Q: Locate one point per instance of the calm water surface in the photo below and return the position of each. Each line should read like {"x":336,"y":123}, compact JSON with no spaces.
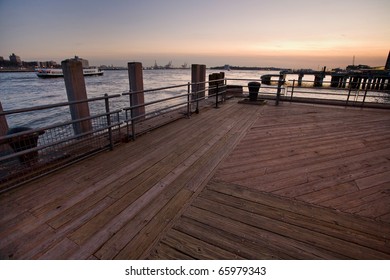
{"x":25,"y":89}
{"x":22,"y":90}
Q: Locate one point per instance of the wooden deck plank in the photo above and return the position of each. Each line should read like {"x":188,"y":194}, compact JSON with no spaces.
{"x":165,"y":252}
{"x":275,"y":242}
{"x":227,"y":240}
{"x":195,"y":247}
{"x":232,"y":214}
{"x":331,"y":216}
{"x":292,"y":234}
{"x":303,"y":219}
{"x":198,"y":172}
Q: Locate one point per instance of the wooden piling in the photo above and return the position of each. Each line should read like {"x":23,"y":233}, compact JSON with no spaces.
{"x":215,"y":79}
{"x":318,"y":80}
{"x":76,"y":91}
{"x":3,"y":129}
{"x":355,"y":82}
{"x":337,"y":80}
{"x":300,"y":77}
{"x":198,"y":79}
{"x":3,"y":123}
{"x":136,"y":83}
{"x":266,"y":79}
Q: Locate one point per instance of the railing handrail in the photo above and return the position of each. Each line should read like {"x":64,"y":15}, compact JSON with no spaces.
{"x":55,"y":105}
{"x":40,"y":129}
{"x":154,"y":89}
{"x":155,"y":101}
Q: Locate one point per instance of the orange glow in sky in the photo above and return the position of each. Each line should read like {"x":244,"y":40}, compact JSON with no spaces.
{"x":296,"y":34}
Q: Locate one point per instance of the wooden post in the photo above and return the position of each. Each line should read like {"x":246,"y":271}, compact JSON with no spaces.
{"x":76,"y":91}
{"x":281,"y":81}
{"x":318,"y":79}
{"x":136,"y":82}
{"x":335,"y":81}
{"x":3,"y":123}
{"x":3,"y":129}
{"x":215,"y":79}
{"x":198,"y":75}
{"x":300,"y":77}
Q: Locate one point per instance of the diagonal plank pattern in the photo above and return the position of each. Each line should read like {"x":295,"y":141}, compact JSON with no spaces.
{"x":239,"y":182}
{"x":306,"y":182}
{"x":115,"y":204}
{"x":228,"y":221}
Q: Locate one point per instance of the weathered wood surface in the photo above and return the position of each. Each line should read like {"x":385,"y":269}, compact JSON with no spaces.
{"x":253,"y":182}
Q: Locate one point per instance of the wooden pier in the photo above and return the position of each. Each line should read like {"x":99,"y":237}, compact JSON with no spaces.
{"x":294,"y":181}
{"x":359,"y":79}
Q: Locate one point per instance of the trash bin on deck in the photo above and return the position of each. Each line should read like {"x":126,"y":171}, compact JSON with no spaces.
{"x":25,"y":142}
{"x":253,"y":90}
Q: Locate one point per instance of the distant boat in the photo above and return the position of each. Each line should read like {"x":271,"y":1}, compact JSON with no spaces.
{"x":57,"y":73}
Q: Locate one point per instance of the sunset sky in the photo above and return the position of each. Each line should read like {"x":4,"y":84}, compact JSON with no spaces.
{"x":281,"y":33}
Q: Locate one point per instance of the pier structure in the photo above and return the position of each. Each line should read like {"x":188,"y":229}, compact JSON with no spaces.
{"x":294,"y":181}
{"x":363,"y":79}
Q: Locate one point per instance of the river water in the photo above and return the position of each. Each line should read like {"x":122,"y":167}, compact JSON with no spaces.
{"x":25,"y":89}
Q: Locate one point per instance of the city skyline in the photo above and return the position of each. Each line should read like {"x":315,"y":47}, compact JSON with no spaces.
{"x":291,"y":34}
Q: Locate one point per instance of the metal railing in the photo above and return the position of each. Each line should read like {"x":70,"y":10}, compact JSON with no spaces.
{"x":268,"y":92}
{"x":350,"y":95}
{"x":28,"y":153}
{"x":180,"y":105}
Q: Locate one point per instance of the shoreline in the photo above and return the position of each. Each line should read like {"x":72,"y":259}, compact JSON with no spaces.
{"x":16,"y":70}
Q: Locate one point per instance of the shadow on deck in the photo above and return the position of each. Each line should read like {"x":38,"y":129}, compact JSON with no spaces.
{"x":255,"y":182}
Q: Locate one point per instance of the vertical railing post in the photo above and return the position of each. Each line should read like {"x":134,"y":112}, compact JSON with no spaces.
{"x":3,"y":128}
{"x":108,"y":116}
{"x":292,"y":90}
{"x":280,"y":83}
{"x":216,"y":95}
{"x":197,"y":98}
{"x":188,"y":100}
{"x":132,"y":116}
{"x":364,"y":97}
{"x":349,"y":93}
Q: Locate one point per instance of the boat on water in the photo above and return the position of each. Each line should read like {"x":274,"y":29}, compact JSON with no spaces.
{"x":57,"y":73}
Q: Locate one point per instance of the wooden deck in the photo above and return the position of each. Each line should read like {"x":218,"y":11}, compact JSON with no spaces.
{"x":239,"y":182}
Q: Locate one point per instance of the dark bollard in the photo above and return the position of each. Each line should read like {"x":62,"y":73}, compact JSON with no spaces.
{"x":253,"y":90}
{"x":25,"y":142}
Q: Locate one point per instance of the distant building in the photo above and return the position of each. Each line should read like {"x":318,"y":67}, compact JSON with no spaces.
{"x":387,"y":66}
{"x":47,"y":64}
{"x":14,"y":59}
{"x":84,"y":62}
{"x":358,"y":67}
{"x":30,"y":64}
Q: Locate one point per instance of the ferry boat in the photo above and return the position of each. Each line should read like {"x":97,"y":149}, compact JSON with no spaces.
{"x":57,"y":73}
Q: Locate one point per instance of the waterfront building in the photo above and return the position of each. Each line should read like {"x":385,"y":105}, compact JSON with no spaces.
{"x":84,"y":62}
{"x":15,"y":59}
{"x":387,"y":66}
